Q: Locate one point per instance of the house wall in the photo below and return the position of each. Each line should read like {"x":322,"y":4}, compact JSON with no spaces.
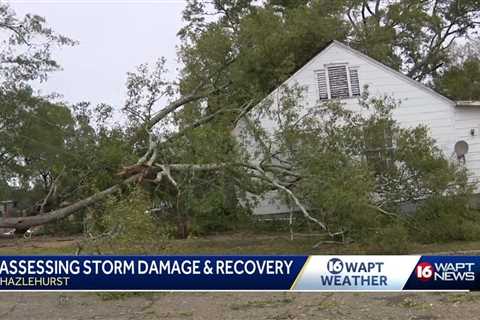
{"x":418,"y":106}
{"x":467,"y":119}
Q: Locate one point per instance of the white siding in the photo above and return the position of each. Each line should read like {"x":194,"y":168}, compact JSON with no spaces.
{"x":419,"y":105}
{"x":466,"y":119}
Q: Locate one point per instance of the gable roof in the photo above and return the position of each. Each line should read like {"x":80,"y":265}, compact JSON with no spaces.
{"x":363,"y":56}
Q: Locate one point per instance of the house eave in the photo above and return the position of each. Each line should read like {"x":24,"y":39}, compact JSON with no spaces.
{"x":467,"y":103}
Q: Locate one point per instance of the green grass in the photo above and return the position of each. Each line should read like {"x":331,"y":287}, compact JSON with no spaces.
{"x":230,"y":243}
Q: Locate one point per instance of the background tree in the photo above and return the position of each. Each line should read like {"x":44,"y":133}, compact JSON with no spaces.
{"x":460,"y":79}
{"x":412,"y":36}
{"x":26,"y":48}
{"x":52,"y":153}
{"x":460,"y":82}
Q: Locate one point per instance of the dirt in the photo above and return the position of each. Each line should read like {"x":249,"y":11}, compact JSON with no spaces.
{"x":240,"y":306}
{"x":119,"y":306}
{"x":235,"y":243}
{"x":37,"y":245}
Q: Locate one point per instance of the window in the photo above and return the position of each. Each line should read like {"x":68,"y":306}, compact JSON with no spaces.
{"x":338,"y":82}
{"x":379,"y":146}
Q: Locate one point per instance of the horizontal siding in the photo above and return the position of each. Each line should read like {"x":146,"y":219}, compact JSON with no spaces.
{"x":465,"y":120}
{"x":417,"y":106}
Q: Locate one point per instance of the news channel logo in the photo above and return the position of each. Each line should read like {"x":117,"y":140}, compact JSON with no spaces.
{"x":445,"y":271}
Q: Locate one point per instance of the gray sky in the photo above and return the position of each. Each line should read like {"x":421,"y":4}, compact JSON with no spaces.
{"x":114,"y":36}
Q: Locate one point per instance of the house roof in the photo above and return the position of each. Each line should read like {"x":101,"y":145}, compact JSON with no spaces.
{"x":379,"y":64}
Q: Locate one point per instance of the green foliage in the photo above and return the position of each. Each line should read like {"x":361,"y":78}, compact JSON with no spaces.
{"x":129,"y":221}
{"x":461,"y":81}
{"x":73,"y":225}
{"x":201,"y":205}
{"x":34,"y":130}
{"x":351,"y":167}
{"x":443,"y":219}
{"x":251,"y":48}
{"x":406,"y":163}
{"x":357,"y":170}
{"x":411,"y":36}
{"x":271,"y":39}
{"x":392,"y":238}
{"x":218,"y":219}
{"x":47,"y":146}
{"x":346,"y":168}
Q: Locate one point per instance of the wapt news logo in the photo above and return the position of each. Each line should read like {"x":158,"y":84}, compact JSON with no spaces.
{"x":445,"y":271}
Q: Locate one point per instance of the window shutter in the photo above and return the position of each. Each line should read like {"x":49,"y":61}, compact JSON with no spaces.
{"x":338,"y":79}
{"x":354,"y":82}
{"x":322,"y":85}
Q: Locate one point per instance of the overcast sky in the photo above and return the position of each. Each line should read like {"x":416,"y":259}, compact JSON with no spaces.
{"x":114,"y":37}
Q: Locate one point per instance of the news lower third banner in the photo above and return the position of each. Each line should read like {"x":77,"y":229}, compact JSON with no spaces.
{"x":239,"y":273}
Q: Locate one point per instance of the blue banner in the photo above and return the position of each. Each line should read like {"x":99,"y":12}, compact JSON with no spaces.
{"x":237,"y":273}
{"x":101,"y":273}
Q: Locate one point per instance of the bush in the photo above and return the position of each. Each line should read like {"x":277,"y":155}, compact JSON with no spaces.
{"x":390,"y":239}
{"x":128,"y":220}
{"x":218,"y":219}
{"x":441,"y":219}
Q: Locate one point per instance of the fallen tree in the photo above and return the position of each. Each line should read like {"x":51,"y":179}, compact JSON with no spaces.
{"x":339,"y":169}
{"x":22,"y":224}
{"x":315,"y":161}
{"x":131,"y":174}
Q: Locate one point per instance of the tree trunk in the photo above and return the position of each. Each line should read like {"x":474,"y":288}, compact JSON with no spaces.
{"x":22,"y":224}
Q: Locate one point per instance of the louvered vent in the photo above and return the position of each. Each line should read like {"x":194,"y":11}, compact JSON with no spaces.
{"x":338,"y":79}
{"x":354,"y":82}
{"x":322,"y":85}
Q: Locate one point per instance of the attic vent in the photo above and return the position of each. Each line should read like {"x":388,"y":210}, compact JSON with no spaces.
{"x":338,"y":79}
{"x":338,"y":82}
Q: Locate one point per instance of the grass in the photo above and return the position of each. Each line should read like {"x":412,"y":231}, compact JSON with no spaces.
{"x":229,"y":243}
{"x":462,"y":297}
{"x":106,"y":296}
{"x":261,"y":304}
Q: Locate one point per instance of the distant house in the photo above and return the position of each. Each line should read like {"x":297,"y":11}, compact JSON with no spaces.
{"x":8,"y":208}
{"x":339,"y":72}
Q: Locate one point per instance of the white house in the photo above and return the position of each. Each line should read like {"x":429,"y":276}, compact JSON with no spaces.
{"x":339,"y":72}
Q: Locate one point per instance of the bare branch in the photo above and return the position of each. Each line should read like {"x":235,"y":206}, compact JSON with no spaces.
{"x":291,"y":195}
{"x":51,"y":192}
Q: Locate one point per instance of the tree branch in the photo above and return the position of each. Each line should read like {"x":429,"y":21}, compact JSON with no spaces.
{"x":22,"y":224}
